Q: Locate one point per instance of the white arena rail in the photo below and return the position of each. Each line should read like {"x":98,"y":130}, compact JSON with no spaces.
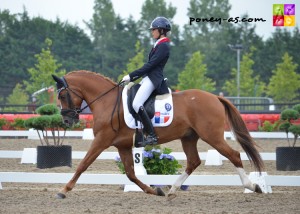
{"x":216,"y":180}
{"x":202,"y":180}
{"x":33,"y":135}
{"x":112,"y":155}
{"x":87,"y":134}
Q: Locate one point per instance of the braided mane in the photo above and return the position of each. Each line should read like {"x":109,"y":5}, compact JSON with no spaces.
{"x":84,"y":72}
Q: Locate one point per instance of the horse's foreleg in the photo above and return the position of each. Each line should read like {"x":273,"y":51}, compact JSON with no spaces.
{"x":189,"y":146}
{"x":127,"y":160}
{"x":89,"y":158}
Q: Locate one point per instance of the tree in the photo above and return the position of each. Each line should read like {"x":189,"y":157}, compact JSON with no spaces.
{"x":284,"y":83}
{"x":193,"y":75}
{"x":281,"y":41}
{"x":40,"y":75}
{"x":21,"y":37}
{"x":135,"y":62}
{"x":18,"y":97}
{"x":11,"y":53}
{"x":113,"y":39}
{"x":250,"y":85}
{"x":211,"y":38}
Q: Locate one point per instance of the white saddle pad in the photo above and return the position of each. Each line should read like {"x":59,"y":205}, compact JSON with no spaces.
{"x":163,"y":110}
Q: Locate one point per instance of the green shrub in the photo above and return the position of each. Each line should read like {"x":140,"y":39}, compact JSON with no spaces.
{"x":267,"y":126}
{"x":18,"y":123}
{"x":286,"y":116}
{"x":56,"y":121}
{"x":3,"y":122}
{"x":50,"y":120}
{"x":42,"y":122}
{"x":289,"y":114}
{"x":285,"y":126}
{"x":29,"y":123}
{"x":48,"y":109}
{"x":297,"y":108}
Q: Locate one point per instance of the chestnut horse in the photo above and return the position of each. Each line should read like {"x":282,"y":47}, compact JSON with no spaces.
{"x":197,"y":114}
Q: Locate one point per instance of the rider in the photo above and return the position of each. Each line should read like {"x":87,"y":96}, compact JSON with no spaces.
{"x":152,"y":73}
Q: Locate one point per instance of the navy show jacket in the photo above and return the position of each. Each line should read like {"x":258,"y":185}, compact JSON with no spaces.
{"x":157,"y":60}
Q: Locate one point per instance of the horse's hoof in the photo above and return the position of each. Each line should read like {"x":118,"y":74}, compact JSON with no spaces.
{"x":159,"y":192}
{"x":257,"y":189}
{"x":60,"y":195}
{"x":171,"y":196}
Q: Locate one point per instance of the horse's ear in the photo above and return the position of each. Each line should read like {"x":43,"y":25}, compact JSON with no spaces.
{"x":56,"y":78}
{"x":59,"y":81}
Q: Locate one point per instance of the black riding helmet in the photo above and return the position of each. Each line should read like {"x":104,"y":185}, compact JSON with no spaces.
{"x":161,"y":23}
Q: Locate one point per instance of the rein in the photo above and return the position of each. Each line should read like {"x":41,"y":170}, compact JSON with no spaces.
{"x":77,"y":111}
{"x":97,"y":98}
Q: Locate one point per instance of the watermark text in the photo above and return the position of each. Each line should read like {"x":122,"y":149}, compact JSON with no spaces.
{"x":230,"y":20}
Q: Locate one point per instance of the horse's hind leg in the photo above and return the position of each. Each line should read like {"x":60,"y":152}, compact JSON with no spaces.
{"x":189,"y":145}
{"x":234,"y":156}
{"x":127,"y":160}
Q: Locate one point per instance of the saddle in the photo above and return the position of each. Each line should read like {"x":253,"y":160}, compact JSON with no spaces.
{"x":158,"y":107}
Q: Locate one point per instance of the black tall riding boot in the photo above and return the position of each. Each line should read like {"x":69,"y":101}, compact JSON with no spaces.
{"x":151,"y":138}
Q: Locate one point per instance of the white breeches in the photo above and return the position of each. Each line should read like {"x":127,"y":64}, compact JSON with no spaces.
{"x":143,"y":93}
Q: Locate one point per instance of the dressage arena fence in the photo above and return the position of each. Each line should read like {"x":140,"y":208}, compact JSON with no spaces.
{"x":87,"y":134}
{"x":212,"y":157}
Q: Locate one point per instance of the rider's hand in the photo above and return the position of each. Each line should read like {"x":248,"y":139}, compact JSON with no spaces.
{"x":126,"y":79}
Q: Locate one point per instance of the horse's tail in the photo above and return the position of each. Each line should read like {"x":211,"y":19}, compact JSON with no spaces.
{"x":242,"y":134}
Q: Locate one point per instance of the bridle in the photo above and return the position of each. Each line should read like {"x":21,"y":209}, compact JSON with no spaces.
{"x":73,"y":112}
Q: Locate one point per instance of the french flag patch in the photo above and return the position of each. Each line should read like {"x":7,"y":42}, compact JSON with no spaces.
{"x":161,"y":118}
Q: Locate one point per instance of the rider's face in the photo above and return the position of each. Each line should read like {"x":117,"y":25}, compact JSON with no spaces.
{"x":155,"y":33}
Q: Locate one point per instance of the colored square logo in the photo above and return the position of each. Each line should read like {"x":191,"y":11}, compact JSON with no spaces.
{"x":289,"y":9}
{"x":278,"y":20}
{"x":284,"y":15}
{"x":289,"y":21}
{"x":278,"y":9}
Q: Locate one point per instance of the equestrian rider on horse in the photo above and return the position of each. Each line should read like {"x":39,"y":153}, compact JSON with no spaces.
{"x":152,"y":74}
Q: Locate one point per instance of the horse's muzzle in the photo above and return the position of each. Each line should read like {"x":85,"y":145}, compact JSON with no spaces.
{"x":70,"y":117}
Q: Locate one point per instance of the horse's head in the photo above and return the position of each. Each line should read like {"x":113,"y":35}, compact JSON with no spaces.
{"x":70,"y":101}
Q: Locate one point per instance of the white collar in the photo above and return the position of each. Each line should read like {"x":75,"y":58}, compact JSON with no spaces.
{"x":157,"y":41}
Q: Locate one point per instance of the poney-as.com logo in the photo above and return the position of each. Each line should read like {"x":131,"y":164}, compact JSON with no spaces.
{"x":284,"y":14}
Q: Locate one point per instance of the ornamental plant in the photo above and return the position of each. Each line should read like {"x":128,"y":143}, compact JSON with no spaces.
{"x":49,"y":120}
{"x":156,"y":161}
{"x":267,"y":126}
{"x":287,"y":118}
{"x":159,"y":161}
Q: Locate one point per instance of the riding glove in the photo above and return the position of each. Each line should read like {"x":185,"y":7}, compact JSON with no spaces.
{"x":126,"y":79}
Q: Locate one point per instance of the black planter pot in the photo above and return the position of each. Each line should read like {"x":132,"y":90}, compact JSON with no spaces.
{"x":288,"y":158}
{"x":54,"y":156}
